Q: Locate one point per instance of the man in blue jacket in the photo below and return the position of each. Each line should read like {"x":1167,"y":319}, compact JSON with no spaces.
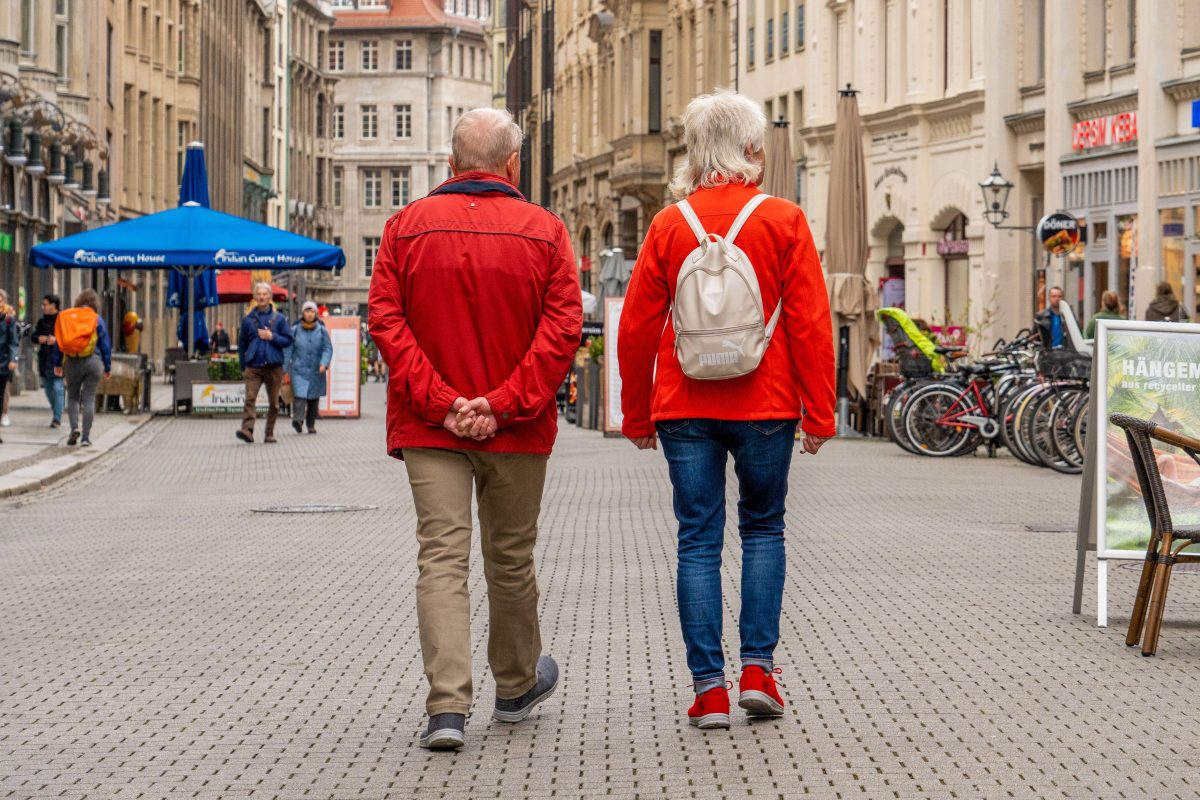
{"x":261,"y":343}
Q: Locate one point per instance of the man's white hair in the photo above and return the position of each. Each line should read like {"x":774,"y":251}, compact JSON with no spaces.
{"x":262,"y":285}
{"x":483,"y":140}
{"x":718,"y":129}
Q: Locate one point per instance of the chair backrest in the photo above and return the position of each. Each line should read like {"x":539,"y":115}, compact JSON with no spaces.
{"x":1139,"y":433}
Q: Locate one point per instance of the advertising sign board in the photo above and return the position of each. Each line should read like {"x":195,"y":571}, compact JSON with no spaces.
{"x":612,"y":376}
{"x":342,"y":384}
{"x":1058,"y":233}
{"x":224,"y":398}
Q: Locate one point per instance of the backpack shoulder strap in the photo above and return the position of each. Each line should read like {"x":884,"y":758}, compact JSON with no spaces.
{"x":744,"y":215}
{"x":693,"y":221}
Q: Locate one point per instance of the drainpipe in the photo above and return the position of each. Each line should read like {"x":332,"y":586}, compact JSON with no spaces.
{"x":737,"y":44}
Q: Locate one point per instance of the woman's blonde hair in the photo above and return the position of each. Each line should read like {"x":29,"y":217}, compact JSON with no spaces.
{"x":720,"y":129}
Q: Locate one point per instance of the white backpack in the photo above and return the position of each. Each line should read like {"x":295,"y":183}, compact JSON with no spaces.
{"x":721,"y":330}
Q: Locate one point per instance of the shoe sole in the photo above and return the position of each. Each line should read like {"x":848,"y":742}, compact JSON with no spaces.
{"x":760,"y":704}
{"x":518,"y":716}
{"x":243,"y":437}
{"x":444,"y":739}
{"x":710,"y":722}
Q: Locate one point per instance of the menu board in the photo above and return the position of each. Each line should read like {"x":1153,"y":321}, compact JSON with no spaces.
{"x":342,"y":383}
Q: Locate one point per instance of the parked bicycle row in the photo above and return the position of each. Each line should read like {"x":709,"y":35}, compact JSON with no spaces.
{"x":1020,"y":396}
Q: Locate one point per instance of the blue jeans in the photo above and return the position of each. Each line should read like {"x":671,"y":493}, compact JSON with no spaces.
{"x":697,"y":451}
{"x":55,"y":393}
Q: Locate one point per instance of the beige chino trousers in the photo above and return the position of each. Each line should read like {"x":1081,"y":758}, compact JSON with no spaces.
{"x":508,"y":488}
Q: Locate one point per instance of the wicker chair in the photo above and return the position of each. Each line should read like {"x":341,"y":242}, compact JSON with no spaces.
{"x":1166,"y":541}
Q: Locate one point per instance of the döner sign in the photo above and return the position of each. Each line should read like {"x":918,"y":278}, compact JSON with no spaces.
{"x":1058,"y":233}
{"x":1116,"y":129}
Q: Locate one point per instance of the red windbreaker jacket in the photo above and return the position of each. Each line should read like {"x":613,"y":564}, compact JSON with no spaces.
{"x":795,"y":379}
{"x":475,"y":294}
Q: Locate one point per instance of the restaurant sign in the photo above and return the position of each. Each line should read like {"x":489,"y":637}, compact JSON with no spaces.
{"x":1101,"y":131}
{"x":953,"y":247}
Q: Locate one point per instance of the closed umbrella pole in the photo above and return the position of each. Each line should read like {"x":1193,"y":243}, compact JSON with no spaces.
{"x":780,"y":177}
{"x":852,"y":301}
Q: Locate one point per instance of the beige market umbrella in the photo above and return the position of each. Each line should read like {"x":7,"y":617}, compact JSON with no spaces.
{"x":851,"y":297}
{"x":780,"y":179}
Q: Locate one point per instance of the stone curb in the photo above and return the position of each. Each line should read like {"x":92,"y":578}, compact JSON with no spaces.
{"x":40,"y":475}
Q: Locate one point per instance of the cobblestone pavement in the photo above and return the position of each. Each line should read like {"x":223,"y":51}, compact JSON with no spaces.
{"x":157,"y":638}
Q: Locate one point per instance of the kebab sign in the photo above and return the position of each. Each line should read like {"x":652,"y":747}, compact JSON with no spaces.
{"x":1058,"y":233}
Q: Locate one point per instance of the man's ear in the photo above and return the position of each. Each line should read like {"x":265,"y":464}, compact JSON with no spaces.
{"x":450,"y":161}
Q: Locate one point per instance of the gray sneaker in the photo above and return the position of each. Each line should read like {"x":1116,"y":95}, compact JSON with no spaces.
{"x":519,"y":708}
{"x":445,"y":732}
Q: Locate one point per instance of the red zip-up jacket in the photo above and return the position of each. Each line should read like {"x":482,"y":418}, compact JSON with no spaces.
{"x":795,"y":379}
{"x":475,"y":294}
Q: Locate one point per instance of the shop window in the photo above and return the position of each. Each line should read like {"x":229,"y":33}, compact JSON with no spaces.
{"x":1172,"y":222}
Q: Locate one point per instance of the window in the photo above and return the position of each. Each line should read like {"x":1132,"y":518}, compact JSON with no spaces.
{"x":770,"y":40}
{"x":401,"y":183}
{"x":337,"y":187}
{"x":339,"y":121}
{"x":370,"y":249}
{"x":372,"y":188}
{"x":404,"y":54}
{"x":320,"y":115}
{"x":783,"y":33}
{"x":182,"y":55}
{"x":403,"y":121}
{"x":370,"y":122}
{"x":655,"y":77}
{"x":370,"y":56}
{"x":108,"y":63}
{"x":28,"y":25}
{"x":337,"y":56}
{"x":750,"y":45}
{"x":61,"y":50}
{"x":472,"y":63}
{"x":461,"y":62}
{"x":799,"y":26}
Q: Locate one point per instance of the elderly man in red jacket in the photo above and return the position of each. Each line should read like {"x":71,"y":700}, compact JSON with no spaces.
{"x":475,"y":307}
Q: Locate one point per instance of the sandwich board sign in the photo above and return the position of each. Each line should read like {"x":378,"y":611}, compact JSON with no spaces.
{"x":1149,"y":370}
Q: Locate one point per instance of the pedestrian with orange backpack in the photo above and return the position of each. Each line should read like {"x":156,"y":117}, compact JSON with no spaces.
{"x":87,"y":355}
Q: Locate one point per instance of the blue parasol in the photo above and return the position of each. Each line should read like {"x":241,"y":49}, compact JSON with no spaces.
{"x":193,"y":188}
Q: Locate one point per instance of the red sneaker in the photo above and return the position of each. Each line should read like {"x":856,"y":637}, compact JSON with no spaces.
{"x":757,"y":693}
{"x":711,"y":709}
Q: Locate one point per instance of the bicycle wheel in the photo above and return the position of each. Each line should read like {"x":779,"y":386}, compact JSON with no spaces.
{"x":1062,"y":423}
{"x":1038,"y":431}
{"x":1079,"y":426}
{"x":930,"y":436}
{"x":1011,"y":428}
{"x":893,"y":417}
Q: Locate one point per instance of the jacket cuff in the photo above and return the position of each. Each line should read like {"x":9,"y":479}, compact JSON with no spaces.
{"x":637,"y":430}
{"x":503,"y":407}
{"x":438,"y":406}
{"x":822,"y":431}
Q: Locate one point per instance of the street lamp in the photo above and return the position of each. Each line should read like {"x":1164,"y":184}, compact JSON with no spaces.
{"x":996,"y":189}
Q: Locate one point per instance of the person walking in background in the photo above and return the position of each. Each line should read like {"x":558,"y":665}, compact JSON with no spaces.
{"x":10,"y":345}
{"x":8,"y":312}
{"x":700,"y":423}
{"x":261,"y":343}
{"x":1049,"y":321}
{"x":220,"y":338}
{"x":1110,"y":308}
{"x":307,"y":362}
{"x":83,"y":339}
{"x":475,"y":307}
{"x":131,"y":332}
{"x":1165,"y":307}
{"x":50,"y":358}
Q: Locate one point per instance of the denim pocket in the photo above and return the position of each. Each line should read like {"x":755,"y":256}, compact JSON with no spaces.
{"x":770,"y":427}
{"x":673,"y":426}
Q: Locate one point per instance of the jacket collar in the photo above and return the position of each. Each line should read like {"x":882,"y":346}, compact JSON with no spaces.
{"x":478,"y":183}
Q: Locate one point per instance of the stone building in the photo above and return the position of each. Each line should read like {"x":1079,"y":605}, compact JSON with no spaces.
{"x":622,"y":77}
{"x":1103,"y":124}
{"x":405,"y":71}
{"x":919,"y":70}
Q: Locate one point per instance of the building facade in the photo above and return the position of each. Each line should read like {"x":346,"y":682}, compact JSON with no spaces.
{"x":1101,"y":124}
{"x":405,"y":70}
{"x":622,"y":76}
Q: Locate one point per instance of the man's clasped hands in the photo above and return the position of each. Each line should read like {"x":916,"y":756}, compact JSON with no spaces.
{"x":471,"y":419}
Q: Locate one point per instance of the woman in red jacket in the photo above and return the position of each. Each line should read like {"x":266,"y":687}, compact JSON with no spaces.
{"x":753,"y":417}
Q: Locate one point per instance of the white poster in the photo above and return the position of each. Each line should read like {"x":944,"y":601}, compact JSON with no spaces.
{"x":612,"y":375}
{"x":345,"y":370}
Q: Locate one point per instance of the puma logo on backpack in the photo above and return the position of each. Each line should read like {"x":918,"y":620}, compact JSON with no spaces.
{"x":721,"y":329}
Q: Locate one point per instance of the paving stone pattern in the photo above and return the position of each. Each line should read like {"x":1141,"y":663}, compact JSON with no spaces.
{"x":157,"y":639}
